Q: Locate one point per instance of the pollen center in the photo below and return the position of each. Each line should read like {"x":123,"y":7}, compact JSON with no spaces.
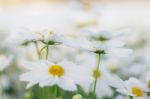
{"x":137,"y":91}
{"x":96,"y":73}
{"x":56,"y":70}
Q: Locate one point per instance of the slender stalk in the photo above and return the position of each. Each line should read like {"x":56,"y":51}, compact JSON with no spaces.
{"x":131,"y":97}
{"x":1,"y":92}
{"x":1,"y":88}
{"x":42,"y":50}
{"x":61,"y":93}
{"x":37,"y":50}
{"x":95,"y":82}
{"x":55,"y":92}
{"x":47,"y":52}
{"x":43,"y":93}
{"x":99,"y":60}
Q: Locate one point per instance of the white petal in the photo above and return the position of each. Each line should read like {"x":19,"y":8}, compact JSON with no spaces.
{"x":67,"y":84}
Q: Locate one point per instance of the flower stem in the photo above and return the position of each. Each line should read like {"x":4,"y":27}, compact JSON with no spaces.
{"x":37,"y":50}
{"x":61,"y":93}
{"x":47,"y":52}
{"x":1,"y":88}
{"x":41,"y":51}
{"x":95,"y":82}
{"x":1,"y":93}
{"x":55,"y":92}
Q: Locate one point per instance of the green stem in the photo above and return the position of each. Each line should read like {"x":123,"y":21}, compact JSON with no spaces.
{"x":55,"y":92}
{"x":1,"y":89}
{"x":99,"y":61}
{"x":38,"y":51}
{"x":95,"y":82}
{"x":43,"y":93}
{"x":47,"y":52}
{"x":131,"y":97}
{"x":61,"y":93}
{"x":41,"y":51}
{"x":1,"y":93}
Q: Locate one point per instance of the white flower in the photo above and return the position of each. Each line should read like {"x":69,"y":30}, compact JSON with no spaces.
{"x":49,"y":36}
{"x":79,"y":43}
{"x":131,"y":87}
{"x":112,"y":45}
{"x":25,"y":36}
{"x":103,"y":76}
{"x":20,"y":36}
{"x":64,"y":74}
{"x":5,"y":61}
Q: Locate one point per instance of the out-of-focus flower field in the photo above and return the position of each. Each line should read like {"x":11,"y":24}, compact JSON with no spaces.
{"x":74,"y":49}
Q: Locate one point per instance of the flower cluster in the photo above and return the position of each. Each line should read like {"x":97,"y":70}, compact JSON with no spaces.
{"x":89,"y":63}
{"x":73,"y":63}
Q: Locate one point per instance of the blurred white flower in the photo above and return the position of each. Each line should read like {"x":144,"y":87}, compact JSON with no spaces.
{"x":131,"y":87}
{"x":121,"y":97}
{"x":5,"y":61}
{"x":64,"y":74}
{"x":107,"y":44}
{"x":102,"y":88}
{"x":25,"y":36}
{"x":50,"y":37}
{"x":79,"y":43}
{"x":88,"y":60}
{"x":20,"y":36}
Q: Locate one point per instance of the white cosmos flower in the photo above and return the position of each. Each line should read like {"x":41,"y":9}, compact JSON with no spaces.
{"x":22,"y":36}
{"x":79,"y":43}
{"x":64,"y":74}
{"x":48,"y":35}
{"x":131,"y":87}
{"x":113,"y":47}
{"x":5,"y":61}
{"x":111,"y":42}
{"x":102,"y":74}
{"x":102,"y":88}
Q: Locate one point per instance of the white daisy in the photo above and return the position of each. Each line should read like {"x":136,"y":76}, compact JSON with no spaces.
{"x":25,"y":36}
{"x":20,"y":36}
{"x":106,"y":45}
{"x":64,"y":74}
{"x":102,"y":87}
{"x":102,"y":75}
{"x":131,"y":87}
{"x":48,"y":36}
{"x":5,"y":61}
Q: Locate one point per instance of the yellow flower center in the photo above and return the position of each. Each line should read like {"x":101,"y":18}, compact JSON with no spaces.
{"x":56,"y":70}
{"x":97,"y":73}
{"x":137,"y":91}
